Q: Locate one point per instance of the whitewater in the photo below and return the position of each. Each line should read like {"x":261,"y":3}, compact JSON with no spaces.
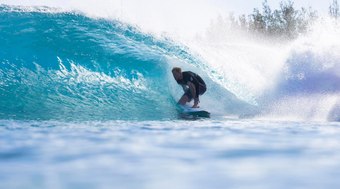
{"x":87,"y":100}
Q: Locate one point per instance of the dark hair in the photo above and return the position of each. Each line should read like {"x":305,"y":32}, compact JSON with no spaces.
{"x":177,"y":69}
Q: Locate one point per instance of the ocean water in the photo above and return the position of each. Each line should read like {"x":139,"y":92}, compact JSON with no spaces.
{"x":169,"y":154}
{"x":89,"y":102}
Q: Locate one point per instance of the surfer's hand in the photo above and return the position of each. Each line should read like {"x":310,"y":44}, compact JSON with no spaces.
{"x":195,"y":104}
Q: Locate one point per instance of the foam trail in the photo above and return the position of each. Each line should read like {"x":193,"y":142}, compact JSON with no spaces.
{"x":311,"y":75}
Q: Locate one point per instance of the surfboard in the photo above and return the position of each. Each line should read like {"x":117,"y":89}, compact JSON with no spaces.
{"x":187,"y":112}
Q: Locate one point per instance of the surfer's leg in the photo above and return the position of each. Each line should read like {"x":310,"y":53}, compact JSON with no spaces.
{"x":185,"y":98}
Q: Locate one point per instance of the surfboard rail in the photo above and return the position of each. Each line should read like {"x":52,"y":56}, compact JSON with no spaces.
{"x":188,"y":112}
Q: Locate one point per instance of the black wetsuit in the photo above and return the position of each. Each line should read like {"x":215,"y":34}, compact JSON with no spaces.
{"x":196,"y":80}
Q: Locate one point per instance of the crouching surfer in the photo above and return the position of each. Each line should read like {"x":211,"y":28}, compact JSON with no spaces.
{"x":192,"y":84}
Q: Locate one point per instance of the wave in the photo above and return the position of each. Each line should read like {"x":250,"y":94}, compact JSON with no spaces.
{"x":64,"y":65}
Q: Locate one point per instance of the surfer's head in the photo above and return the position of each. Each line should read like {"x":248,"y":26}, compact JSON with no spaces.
{"x":177,"y":73}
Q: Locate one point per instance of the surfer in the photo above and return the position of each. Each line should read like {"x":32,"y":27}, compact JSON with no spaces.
{"x":192,"y":84}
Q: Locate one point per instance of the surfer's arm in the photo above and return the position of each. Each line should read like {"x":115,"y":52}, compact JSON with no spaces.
{"x":193,"y":91}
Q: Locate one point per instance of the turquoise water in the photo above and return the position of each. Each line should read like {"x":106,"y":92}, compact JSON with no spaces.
{"x":66,"y":65}
{"x":91,"y":103}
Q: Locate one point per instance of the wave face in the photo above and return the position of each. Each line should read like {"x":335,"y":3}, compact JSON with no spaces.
{"x":65,"y":65}
{"x":69,"y":66}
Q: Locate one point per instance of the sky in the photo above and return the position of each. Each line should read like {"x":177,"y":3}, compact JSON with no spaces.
{"x":247,"y":6}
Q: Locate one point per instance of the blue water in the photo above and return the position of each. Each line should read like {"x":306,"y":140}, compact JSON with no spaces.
{"x":91,"y":103}
{"x":169,"y":154}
